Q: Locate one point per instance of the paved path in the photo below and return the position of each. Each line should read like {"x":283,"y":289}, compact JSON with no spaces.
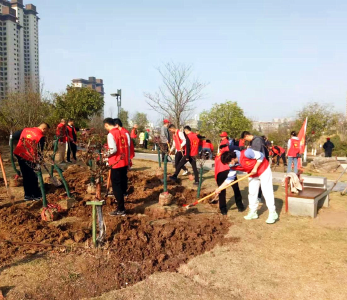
{"x":209,"y":165}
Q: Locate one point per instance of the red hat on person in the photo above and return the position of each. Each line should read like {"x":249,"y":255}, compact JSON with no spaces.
{"x":166,"y":121}
{"x":328,"y":139}
{"x":223,"y":134}
{"x":148,"y":130}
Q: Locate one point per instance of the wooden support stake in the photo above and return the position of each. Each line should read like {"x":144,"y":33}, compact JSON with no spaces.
{"x":94,"y":204}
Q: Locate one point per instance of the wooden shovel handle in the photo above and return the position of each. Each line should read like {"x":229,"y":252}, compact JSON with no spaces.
{"x":229,"y":185}
{"x":3,"y":171}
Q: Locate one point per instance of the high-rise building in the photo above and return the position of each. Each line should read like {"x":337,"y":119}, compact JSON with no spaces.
{"x":19,"y":47}
{"x":91,"y":82}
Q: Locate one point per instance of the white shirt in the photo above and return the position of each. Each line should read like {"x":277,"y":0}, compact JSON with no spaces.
{"x":182,"y":137}
{"x":112,"y":146}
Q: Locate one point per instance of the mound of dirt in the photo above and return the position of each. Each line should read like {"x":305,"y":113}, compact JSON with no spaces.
{"x":151,"y":238}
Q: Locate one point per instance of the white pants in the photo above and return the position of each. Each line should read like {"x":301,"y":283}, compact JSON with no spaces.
{"x":61,"y":152}
{"x":265,"y":181}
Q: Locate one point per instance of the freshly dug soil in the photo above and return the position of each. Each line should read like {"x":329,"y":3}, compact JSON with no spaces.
{"x":151,"y":238}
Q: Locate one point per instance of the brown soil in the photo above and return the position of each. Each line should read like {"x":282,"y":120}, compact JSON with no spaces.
{"x":151,"y":238}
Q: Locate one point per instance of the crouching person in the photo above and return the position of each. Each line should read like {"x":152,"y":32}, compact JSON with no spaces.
{"x":254,"y":163}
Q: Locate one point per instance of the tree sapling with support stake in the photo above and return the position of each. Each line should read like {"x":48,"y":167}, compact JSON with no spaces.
{"x":165,"y":198}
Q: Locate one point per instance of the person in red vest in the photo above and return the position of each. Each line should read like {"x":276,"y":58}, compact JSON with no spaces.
{"x":61,"y":135}
{"x":207,"y":146}
{"x":201,"y":139}
{"x":119,"y":125}
{"x":71,"y":134}
{"x":118,"y":160}
{"x":254,"y":163}
{"x":31,"y":143}
{"x":224,"y":139}
{"x":221,"y":172}
{"x":293,"y":152}
{"x":280,"y":153}
{"x":133,"y":134}
{"x":179,"y":143}
{"x":191,"y":151}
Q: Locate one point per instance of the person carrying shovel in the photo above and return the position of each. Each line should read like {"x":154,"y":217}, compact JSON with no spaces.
{"x":179,"y":143}
{"x":191,"y":151}
{"x":254,"y":163}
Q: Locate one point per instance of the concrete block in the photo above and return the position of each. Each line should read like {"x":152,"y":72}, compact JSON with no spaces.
{"x":307,"y":207}
{"x":315,"y":181}
{"x":67,"y":203}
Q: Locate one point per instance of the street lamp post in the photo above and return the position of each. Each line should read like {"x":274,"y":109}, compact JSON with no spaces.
{"x":118,"y":95}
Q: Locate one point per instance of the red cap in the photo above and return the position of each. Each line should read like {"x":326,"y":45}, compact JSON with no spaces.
{"x":223,"y":134}
{"x":166,"y":121}
{"x":328,"y":139}
{"x":148,"y":130}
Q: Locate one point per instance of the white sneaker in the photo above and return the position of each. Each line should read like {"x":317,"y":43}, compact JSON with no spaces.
{"x":252,"y":215}
{"x":185,"y":172}
{"x":273,"y":216}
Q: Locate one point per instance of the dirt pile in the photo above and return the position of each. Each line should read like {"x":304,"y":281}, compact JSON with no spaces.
{"x":151,"y":238}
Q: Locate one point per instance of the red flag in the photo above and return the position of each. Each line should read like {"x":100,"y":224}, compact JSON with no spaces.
{"x":302,"y":138}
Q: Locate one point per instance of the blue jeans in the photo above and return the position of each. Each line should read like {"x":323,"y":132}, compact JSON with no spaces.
{"x":207,"y":150}
{"x":290,"y":161}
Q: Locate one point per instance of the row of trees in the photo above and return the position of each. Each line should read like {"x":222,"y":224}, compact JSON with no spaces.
{"x":175,"y":100}
{"x":28,"y":109}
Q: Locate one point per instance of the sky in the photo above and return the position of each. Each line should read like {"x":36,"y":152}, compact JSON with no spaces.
{"x":272,"y":57}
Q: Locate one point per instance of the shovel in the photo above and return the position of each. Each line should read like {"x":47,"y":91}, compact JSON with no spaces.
{"x":55,"y":181}
{"x":337,"y":180}
{"x":187,"y":206}
{"x":108,"y":185}
{"x":5,"y":180}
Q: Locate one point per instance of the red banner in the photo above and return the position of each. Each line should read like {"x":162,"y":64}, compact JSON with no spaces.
{"x":302,"y":138}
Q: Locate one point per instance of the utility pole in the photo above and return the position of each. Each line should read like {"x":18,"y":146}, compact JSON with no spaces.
{"x":118,"y":96}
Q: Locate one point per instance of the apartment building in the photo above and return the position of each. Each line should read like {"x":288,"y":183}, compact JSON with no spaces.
{"x":91,"y":82}
{"x":19,"y":47}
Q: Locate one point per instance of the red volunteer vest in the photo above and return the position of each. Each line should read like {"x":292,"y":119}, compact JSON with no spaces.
{"x":241,"y":142}
{"x":247,"y":165}
{"x":207,"y":145}
{"x":218,"y":166}
{"x":132,"y":148}
{"x":278,"y":152}
{"x":224,"y":142}
{"x":120,"y":159}
{"x":61,"y":133}
{"x":133,"y":133}
{"x":194,"y":144}
{"x":177,"y":140}
{"x":69,"y":132}
{"x":28,"y":142}
{"x":294,"y":147}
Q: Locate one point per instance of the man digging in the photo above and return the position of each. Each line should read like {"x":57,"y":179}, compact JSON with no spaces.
{"x":118,"y":159}
{"x":179,"y":143}
{"x":252,"y":162}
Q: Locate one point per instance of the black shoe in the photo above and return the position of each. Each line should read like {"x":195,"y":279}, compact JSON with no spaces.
{"x":36,"y":199}
{"x":27,"y":198}
{"x":196,"y":183}
{"x":224,"y":212}
{"x":241,"y":209}
{"x":121,"y":213}
{"x":173,"y":178}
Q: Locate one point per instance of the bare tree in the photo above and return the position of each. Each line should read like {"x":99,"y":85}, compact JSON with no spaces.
{"x":176,"y":97}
